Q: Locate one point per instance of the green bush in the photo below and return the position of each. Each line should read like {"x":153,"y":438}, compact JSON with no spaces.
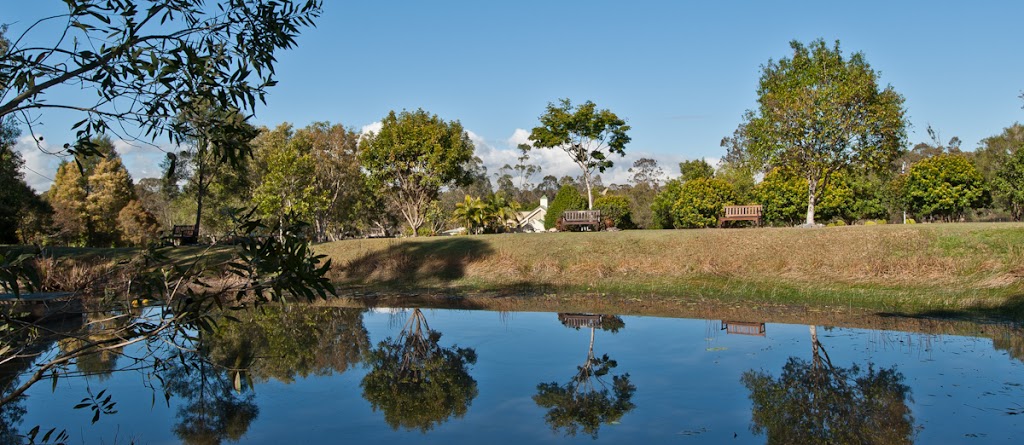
{"x":568,"y":198}
{"x":945,"y":186}
{"x":661,"y":208}
{"x":616,"y":209}
{"x":700,"y":203}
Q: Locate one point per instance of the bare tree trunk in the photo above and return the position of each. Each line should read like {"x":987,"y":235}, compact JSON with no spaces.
{"x":812,"y":188}
{"x":201,"y":190}
{"x":590,"y":193}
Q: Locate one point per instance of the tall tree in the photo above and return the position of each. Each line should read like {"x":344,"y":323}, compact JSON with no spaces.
{"x":286,"y":185}
{"x":215,"y":161}
{"x":413,"y":156}
{"x":154,"y":60}
{"x":110,"y":190}
{"x":695,"y":169}
{"x":336,"y":177}
{"x":16,"y":198}
{"x":646,"y":172}
{"x":993,"y":155}
{"x":67,"y":197}
{"x":820,"y":113}
{"x":588,"y":135}
{"x":1009,"y":184}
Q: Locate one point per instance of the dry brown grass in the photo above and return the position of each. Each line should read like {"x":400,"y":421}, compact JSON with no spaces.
{"x":950,"y":261}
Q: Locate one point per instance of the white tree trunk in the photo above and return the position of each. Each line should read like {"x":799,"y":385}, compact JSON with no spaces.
{"x":812,"y":186}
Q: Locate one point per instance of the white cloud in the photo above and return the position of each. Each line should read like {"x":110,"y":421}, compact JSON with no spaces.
{"x":557,"y":163}
{"x":519,"y":136}
{"x":374,"y":128}
{"x":41,"y":162}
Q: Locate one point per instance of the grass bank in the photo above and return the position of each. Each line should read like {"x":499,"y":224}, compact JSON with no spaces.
{"x":925,"y":269}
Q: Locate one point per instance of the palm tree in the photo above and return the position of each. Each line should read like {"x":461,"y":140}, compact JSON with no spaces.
{"x":502,"y":214}
{"x":471,"y":213}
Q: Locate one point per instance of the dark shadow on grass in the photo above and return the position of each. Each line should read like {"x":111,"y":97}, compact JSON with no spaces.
{"x":417,"y":263}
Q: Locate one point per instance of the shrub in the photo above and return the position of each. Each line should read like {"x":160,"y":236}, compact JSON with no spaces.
{"x":616,"y":210}
{"x":700,"y":203}
{"x":661,"y":208}
{"x":568,"y":198}
{"x":945,"y":186}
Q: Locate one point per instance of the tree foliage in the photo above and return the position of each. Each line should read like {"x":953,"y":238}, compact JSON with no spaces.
{"x":588,"y":135}
{"x":146,"y":61}
{"x":286,"y":185}
{"x":137,"y":226}
{"x":17,"y":199}
{"x":413,"y":156}
{"x":997,"y":159}
{"x":695,"y":169}
{"x":616,"y":210}
{"x":568,"y":198}
{"x":1009,"y":183}
{"x":692,"y":204}
{"x":945,"y":187}
{"x":820,"y":113}
{"x":783,"y":197}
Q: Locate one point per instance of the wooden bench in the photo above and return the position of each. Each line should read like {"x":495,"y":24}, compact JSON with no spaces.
{"x":184,"y":235}
{"x":586,"y":218}
{"x":741,"y":213}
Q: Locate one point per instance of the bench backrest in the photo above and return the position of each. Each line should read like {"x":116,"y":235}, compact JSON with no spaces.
{"x":750,"y":210}
{"x":571,"y":216}
{"x":183,"y":231}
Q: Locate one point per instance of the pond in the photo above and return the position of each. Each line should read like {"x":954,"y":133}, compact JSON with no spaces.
{"x":326,"y":375}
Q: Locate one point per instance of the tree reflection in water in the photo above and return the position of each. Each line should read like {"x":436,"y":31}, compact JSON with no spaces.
{"x":215,"y":379}
{"x":817,"y":402}
{"x":417,"y":383}
{"x":585,"y":402}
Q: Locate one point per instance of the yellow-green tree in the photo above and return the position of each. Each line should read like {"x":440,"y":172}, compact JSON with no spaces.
{"x":944,"y":187}
{"x":820,"y":113}
{"x":110,"y":190}
{"x":287,"y":183}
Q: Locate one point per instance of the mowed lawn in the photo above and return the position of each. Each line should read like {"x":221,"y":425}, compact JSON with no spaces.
{"x":920,"y":268}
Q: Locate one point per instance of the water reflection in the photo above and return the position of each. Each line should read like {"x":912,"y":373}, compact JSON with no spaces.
{"x":20,"y":349}
{"x":213,"y":407}
{"x":585,"y":402}
{"x":417,"y":383}
{"x":213,"y":380}
{"x":818,"y":402}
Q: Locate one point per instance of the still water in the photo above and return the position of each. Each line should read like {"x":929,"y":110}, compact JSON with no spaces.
{"x":318,"y":375}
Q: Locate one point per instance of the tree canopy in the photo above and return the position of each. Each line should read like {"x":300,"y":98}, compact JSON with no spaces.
{"x":944,"y":186}
{"x":412,"y":157}
{"x":147,"y":61}
{"x":820,"y":112}
{"x":588,"y":135}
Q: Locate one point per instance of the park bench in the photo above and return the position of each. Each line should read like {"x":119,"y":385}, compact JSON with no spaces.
{"x":183,"y":235}
{"x":741,"y":213}
{"x":585,"y":218}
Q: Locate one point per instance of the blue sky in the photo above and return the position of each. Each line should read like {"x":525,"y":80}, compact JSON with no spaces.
{"x":681,"y":73}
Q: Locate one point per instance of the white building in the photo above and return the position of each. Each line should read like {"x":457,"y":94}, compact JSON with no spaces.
{"x":533,"y":220}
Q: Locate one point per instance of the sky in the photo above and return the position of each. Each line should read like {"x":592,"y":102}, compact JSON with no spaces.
{"x":681,"y":73}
